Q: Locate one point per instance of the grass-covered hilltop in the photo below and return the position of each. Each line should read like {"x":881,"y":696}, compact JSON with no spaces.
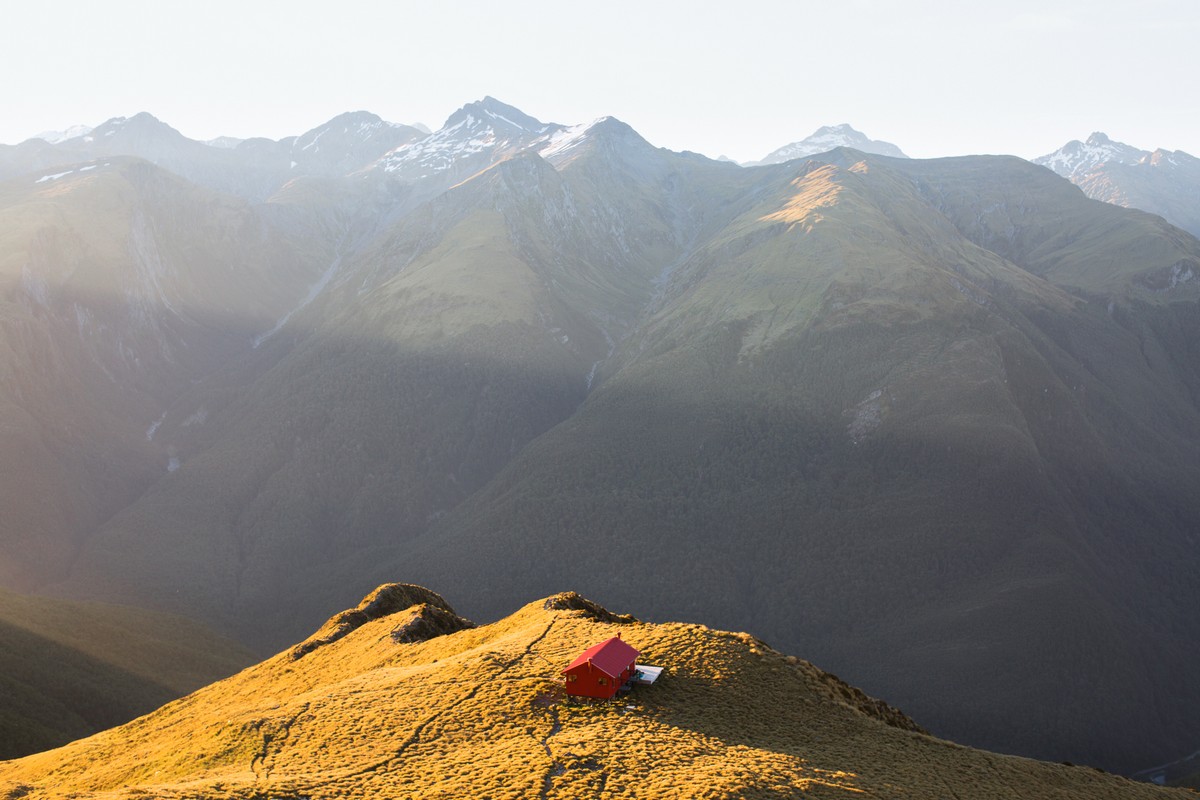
{"x":402,"y":698}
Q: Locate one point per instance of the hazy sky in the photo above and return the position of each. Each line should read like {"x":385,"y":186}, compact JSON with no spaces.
{"x":935,"y":78}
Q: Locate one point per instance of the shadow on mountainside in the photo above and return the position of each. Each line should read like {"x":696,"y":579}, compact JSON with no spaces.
{"x":55,"y":694}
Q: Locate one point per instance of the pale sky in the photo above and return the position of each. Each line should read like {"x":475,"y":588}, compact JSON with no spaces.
{"x":739,"y":79}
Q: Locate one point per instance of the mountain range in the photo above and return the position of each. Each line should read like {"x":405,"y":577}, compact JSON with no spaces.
{"x":933,"y":423}
{"x":1159,"y":181}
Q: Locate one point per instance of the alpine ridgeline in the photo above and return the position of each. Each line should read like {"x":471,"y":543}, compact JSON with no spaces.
{"x":934,"y":423}
{"x":1161,"y":181}
{"x":412,"y":700}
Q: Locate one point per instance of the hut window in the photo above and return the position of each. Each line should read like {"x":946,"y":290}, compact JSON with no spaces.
{"x":603,"y":681}
{"x":572,"y":678}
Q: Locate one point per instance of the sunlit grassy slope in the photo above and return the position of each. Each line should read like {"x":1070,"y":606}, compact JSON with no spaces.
{"x":364,"y":711}
{"x":70,"y":669}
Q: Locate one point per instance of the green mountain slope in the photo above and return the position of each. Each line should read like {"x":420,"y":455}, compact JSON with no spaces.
{"x":1037,"y":222}
{"x":871,"y":437}
{"x":438,"y":351}
{"x":69,"y":669}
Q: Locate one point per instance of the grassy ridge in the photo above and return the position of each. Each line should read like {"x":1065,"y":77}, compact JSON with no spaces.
{"x":480,"y":712}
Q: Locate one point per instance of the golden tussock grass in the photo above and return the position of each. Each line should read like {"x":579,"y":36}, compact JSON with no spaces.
{"x":480,"y":713}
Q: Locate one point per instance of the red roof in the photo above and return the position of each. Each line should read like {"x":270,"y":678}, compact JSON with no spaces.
{"x":611,"y":657}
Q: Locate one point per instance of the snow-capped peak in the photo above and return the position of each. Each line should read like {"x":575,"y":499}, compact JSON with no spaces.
{"x":827,"y":138}
{"x":561,"y":145}
{"x":492,"y":113}
{"x":1076,"y":158}
{"x":485,"y":127}
{"x":353,"y":124}
{"x":141,"y":126}
{"x":73,"y":132}
{"x":348,"y":142}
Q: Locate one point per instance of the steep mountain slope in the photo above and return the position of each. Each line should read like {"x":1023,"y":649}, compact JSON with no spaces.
{"x":71,"y":669}
{"x":826,"y":138}
{"x":436,"y":354}
{"x":401,"y":697}
{"x":120,"y":286}
{"x":1162,"y":182}
{"x":861,"y":432}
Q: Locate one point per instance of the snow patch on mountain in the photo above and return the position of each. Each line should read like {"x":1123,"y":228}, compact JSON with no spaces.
{"x":1076,"y":158}
{"x":56,"y":137}
{"x":154,"y":426}
{"x":54,"y":176}
{"x":109,"y":127}
{"x":564,"y":140}
{"x":487,"y":126}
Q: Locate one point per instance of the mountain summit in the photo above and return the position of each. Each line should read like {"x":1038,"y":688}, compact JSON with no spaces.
{"x":827,"y":138}
{"x":1075,"y":158}
{"x":474,"y":137}
{"x":1161,"y":181}
{"x":402,"y":698}
{"x":501,"y":114}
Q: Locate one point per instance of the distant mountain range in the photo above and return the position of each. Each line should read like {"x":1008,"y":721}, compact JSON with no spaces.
{"x":400,"y":697}
{"x":1162,"y":182}
{"x":933,"y":423}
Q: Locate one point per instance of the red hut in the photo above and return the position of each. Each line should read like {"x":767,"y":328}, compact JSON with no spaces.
{"x":601,"y":669}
